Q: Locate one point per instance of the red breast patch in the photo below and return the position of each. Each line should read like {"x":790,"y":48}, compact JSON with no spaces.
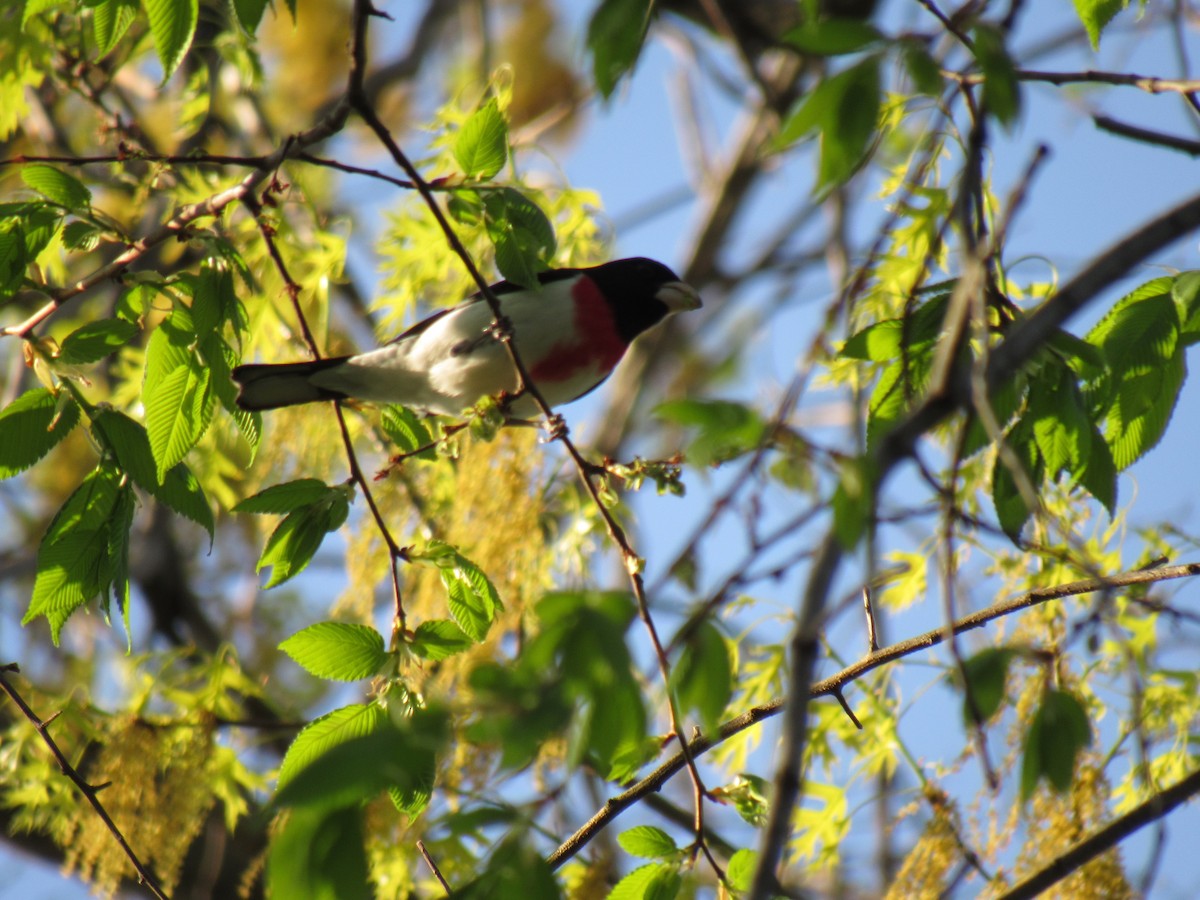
{"x":596,"y":345}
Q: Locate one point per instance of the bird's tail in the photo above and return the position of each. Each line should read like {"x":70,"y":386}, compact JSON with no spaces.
{"x":286,"y":384}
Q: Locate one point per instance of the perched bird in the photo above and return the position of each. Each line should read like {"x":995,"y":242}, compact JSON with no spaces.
{"x":570,"y":334}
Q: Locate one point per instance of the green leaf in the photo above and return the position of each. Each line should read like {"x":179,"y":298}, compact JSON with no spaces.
{"x":1058,"y":731}
{"x":522,"y":235}
{"x":179,"y":490}
{"x":481,"y":147}
{"x":172,"y":25}
{"x":1061,"y":427}
{"x":922,"y":68}
{"x":436,"y":639}
{"x":286,"y":497}
{"x":39,"y":227}
{"x":82,"y":553}
{"x":12,"y":258}
{"x":341,"y":651}
{"x":987,"y":672}
{"x":220,"y":357}
{"x":1099,"y":476}
{"x":57,"y":186}
{"x":177,"y":391}
{"x":471,"y":596}
{"x":853,"y":501}
{"x":96,"y":340}
{"x":648,"y":842}
{"x":1011,"y":510}
{"x":740,"y":871}
{"x":321,"y":735}
{"x":110,"y":20}
{"x":250,"y":12}
{"x":320,"y":854}
{"x":844,"y":111}
{"x":296,"y":539}
{"x":406,"y":430}
{"x":833,"y":37}
{"x":726,"y":429}
{"x":1001,"y":89}
{"x":1095,"y":14}
{"x":656,"y":881}
{"x":1140,"y":339}
{"x":31,"y":426}
{"x":1185,"y":291}
{"x":703,"y":677}
{"x":81,"y":235}
{"x":614,"y":38}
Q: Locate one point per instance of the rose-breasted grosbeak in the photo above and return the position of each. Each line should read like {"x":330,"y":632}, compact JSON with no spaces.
{"x":571,"y":333}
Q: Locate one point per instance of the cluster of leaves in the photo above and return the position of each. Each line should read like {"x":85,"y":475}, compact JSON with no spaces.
{"x":1082,"y":410}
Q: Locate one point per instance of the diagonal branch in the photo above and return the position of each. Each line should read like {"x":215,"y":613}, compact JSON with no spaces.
{"x":837,"y":682}
{"x":89,"y":791}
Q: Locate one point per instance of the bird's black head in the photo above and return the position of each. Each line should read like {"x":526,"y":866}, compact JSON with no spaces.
{"x":642,"y":293}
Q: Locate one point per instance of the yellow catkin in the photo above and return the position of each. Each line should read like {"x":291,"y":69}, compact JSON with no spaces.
{"x":158,"y":796}
{"x":924,"y":871}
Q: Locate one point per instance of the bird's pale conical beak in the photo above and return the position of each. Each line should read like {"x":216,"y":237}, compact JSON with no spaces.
{"x":679,"y":296}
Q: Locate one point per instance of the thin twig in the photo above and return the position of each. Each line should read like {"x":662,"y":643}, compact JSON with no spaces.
{"x":89,"y":791}
{"x":433,"y":867}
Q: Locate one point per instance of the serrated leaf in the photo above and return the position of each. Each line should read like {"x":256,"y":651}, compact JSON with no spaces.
{"x":1060,"y":424}
{"x":481,"y":147}
{"x":80,"y":235}
{"x":172,"y":25}
{"x":436,"y":639}
{"x":180,"y":490}
{"x":703,"y":677}
{"x":341,"y":651}
{"x":1185,"y":291}
{"x":96,"y":340}
{"x":31,"y":426}
{"x":471,"y":598}
{"x":81,"y":553}
{"x":615,"y":35}
{"x":57,"y":186}
{"x":406,"y":430}
{"x":648,"y":842}
{"x":283,"y":498}
{"x":177,"y":392}
{"x":1095,"y":14}
{"x":39,"y":227}
{"x":110,"y":20}
{"x":521,"y":233}
{"x":326,"y":732}
{"x":296,"y":539}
